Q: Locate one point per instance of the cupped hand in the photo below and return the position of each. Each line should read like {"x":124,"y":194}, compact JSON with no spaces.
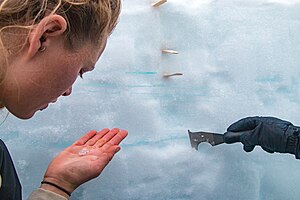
{"x":85,"y":159}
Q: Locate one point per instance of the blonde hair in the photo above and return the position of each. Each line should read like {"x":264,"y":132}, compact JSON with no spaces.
{"x":88,"y":20}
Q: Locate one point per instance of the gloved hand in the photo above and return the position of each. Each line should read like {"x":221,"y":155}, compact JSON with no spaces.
{"x":272,"y":134}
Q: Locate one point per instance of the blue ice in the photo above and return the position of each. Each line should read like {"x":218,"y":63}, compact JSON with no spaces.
{"x":238,"y":58}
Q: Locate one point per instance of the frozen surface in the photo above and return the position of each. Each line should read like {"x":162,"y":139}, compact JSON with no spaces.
{"x":239,"y":58}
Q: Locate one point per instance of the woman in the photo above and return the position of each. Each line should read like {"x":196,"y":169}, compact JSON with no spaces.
{"x":45,"y":46}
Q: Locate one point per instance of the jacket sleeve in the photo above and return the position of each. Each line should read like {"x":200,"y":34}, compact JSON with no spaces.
{"x":41,"y":194}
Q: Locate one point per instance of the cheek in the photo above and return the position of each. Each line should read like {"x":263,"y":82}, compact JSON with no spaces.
{"x":62,"y":79}
{"x":65,"y":80}
{"x":63,"y":72}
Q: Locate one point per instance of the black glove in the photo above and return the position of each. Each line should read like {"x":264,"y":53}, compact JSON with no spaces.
{"x":272,"y":134}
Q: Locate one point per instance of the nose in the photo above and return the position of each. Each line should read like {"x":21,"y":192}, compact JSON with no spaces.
{"x":68,"y":92}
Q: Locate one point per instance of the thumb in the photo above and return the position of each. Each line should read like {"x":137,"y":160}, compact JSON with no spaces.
{"x":232,"y":137}
{"x":267,"y":150}
{"x":244,"y":124}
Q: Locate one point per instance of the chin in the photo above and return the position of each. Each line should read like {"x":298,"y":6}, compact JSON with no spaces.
{"x":23,"y":115}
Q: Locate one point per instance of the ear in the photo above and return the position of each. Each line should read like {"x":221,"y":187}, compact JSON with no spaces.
{"x":50,"y":26}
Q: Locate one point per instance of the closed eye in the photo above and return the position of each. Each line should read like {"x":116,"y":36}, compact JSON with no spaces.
{"x":80,"y":74}
{"x":82,"y":71}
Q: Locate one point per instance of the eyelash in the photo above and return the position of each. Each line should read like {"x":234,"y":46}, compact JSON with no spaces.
{"x":80,"y":74}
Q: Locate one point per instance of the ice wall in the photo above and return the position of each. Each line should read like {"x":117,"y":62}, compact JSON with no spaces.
{"x":238,"y":58}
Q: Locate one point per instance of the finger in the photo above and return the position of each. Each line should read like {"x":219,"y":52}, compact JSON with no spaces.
{"x":116,"y":139}
{"x":232,"y":137}
{"x":105,"y":157}
{"x":106,"y":137}
{"x":244,"y":124}
{"x":98,"y":136}
{"x":111,"y":151}
{"x":248,"y":148}
{"x":114,"y":149}
{"x":267,"y":150}
{"x":274,"y":120}
{"x":85,"y":138}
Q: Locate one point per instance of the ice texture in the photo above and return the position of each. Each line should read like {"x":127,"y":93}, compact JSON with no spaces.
{"x":238,"y":58}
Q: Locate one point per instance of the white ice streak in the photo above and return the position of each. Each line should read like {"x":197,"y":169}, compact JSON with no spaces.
{"x":286,"y":2}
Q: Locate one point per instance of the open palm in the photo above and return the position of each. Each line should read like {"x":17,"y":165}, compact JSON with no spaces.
{"x":85,"y":159}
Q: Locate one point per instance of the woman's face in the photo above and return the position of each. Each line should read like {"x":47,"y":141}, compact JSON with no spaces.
{"x":31,"y":84}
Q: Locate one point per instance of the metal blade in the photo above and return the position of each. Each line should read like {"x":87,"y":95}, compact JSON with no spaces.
{"x":198,"y":137}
